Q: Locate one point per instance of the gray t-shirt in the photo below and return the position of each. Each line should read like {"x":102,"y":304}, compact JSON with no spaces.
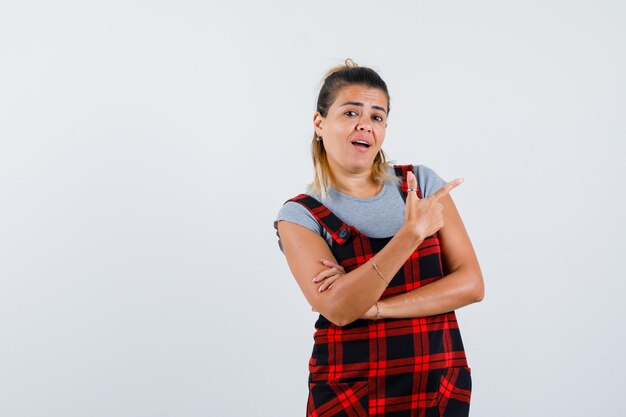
{"x":378,"y":216}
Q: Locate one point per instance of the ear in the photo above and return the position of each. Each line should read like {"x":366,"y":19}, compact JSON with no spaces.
{"x":317,"y":123}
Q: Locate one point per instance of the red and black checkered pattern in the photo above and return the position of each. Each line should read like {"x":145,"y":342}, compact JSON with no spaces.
{"x":388,"y":367}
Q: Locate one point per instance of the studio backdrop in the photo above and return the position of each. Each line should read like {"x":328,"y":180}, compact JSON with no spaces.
{"x":146,"y":148}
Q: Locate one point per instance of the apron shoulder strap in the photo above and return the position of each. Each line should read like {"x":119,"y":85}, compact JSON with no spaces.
{"x":401,"y":171}
{"x":339,"y":231}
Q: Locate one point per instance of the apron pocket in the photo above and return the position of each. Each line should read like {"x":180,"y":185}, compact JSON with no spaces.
{"x":338,"y":399}
{"x":455,"y":390}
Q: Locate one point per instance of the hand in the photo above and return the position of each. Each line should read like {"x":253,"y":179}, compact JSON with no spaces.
{"x":328,"y":276}
{"x":425,"y":216}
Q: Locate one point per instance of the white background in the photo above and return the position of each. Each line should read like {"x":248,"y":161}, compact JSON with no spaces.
{"x":145,"y":148}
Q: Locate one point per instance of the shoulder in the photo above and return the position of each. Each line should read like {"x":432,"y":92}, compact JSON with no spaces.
{"x":295,"y":212}
{"x":427,"y":179}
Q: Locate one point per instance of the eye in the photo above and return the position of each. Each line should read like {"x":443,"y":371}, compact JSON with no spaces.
{"x":351,"y":113}
{"x":378,"y":118}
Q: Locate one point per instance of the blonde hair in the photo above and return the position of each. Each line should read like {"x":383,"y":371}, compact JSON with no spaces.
{"x":335,"y":79}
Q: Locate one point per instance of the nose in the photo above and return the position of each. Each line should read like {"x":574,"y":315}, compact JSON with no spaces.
{"x":364,"y":126}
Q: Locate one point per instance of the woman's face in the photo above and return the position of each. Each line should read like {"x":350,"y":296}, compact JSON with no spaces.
{"x":353,"y":131}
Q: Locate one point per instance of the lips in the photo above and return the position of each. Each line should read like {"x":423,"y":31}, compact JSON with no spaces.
{"x":362,"y":143}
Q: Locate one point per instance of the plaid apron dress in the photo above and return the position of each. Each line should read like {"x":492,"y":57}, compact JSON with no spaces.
{"x":389,"y":367}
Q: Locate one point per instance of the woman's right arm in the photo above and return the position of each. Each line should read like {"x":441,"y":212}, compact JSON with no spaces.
{"x":358,"y":290}
{"x":355,"y":292}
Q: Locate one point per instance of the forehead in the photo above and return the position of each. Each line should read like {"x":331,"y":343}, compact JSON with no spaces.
{"x":361,"y":94}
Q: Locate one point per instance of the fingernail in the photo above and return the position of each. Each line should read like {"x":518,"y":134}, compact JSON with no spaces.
{"x":314,"y":279}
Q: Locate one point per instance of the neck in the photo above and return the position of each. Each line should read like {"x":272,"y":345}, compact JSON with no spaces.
{"x":356,"y":184}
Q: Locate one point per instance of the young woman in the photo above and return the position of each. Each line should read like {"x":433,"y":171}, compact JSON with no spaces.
{"x":382,"y":254}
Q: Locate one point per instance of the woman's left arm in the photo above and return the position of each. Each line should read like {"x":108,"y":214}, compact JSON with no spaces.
{"x":461,"y":285}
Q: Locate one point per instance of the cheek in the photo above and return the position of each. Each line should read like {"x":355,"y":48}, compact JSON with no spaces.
{"x":380,"y":134}
{"x":341,"y":130}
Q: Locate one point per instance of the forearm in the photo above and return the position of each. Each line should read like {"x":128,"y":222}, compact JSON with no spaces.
{"x":457,"y":289}
{"x":358,"y":290}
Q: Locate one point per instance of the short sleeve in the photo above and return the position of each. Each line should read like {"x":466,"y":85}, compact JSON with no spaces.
{"x":296,"y":213}
{"x":428,"y":180}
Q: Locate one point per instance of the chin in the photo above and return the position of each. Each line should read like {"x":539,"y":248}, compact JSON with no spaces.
{"x":361,"y":165}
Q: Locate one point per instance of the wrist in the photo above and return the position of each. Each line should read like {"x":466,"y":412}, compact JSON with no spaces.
{"x":411,"y":235}
{"x":379,"y":314}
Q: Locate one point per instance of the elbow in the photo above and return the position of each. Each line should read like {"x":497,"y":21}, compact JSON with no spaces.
{"x":479,"y":295}
{"x":337,"y":313}
{"x":475,"y":286}
{"x":340,"y":318}
{"x":337,"y":319}
{"x":478,"y":290}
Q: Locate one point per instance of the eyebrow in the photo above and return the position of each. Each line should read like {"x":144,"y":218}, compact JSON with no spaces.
{"x":357,"y":103}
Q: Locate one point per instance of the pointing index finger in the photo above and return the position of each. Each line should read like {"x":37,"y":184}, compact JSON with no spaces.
{"x":445,"y":190}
